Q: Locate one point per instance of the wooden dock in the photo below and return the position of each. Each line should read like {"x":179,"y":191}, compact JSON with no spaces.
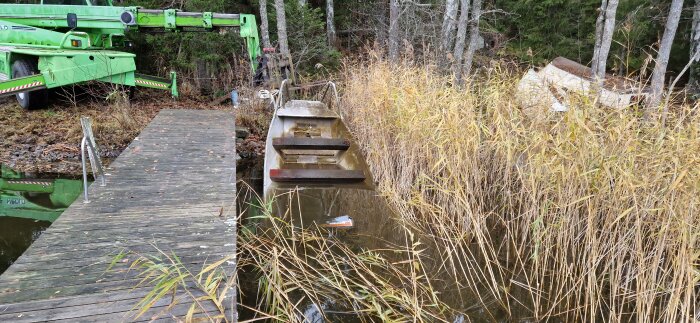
{"x":172,"y":189}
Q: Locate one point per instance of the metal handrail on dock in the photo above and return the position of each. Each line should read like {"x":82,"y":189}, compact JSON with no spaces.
{"x":88,"y":144}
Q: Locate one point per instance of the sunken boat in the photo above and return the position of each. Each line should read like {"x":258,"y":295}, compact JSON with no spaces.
{"x":313,"y":165}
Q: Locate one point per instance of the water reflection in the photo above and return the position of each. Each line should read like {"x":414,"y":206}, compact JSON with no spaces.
{"x":28,"y":205}
{"x":374,"y":226}
{"x":35,"y":197}
{"x":16,"y":235}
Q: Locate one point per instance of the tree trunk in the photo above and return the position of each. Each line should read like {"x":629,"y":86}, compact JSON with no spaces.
{"x":449,"y":22}
{"x":264,"y":26}
{"x":282,"y":27}
{"x":394,"y":30}
{"x":473,"y":35}
{"x":693,"y":85}
{"x":659,"y":74}
{"x":599,"y":22}
{"x":458,"y":53}
{"x":381,"y":28}
{"x":605,"y":28}
{"x":330,"y":24}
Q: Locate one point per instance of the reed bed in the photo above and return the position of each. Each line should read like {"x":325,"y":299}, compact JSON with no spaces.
{"x":587,"y":215}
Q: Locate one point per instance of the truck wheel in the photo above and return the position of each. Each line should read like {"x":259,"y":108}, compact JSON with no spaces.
{"x":31,"y":99}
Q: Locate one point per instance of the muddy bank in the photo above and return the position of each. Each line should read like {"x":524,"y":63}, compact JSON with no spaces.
{"x":48,"y":141}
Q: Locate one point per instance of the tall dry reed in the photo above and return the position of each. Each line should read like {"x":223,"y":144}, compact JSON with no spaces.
{"x":587,"y":215}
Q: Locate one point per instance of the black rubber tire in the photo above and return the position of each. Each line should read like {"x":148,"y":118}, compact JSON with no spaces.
{"x":131,"y":92}
{"x":29,"y":100}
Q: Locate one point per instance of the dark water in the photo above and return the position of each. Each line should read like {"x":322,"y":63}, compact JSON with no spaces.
{"x":29,"y":203}
{"x":23,"y":217}
{"x":16,"y":235}
{"x":373,"y":229}
{"x":376,"y":227}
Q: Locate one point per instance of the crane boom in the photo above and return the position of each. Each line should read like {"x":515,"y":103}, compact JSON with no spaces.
{"x":69,"y":44}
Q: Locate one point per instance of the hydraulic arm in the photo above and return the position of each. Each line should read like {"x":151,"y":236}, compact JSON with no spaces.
{"x":47,"y":46}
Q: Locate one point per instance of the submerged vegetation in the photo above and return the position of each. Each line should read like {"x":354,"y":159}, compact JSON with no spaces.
{"x":307,"y":273}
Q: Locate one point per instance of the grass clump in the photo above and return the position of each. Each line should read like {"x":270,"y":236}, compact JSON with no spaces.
{"x":170,"y":282}
{"x":591,"y":214}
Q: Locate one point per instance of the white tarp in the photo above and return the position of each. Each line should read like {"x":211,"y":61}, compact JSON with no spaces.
{"x":533,"y":93}
{"x":551,"y":86}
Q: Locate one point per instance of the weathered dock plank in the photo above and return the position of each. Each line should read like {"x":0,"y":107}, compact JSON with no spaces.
{"x":173,"y":189}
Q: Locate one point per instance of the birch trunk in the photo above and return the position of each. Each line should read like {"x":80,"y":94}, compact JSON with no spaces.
{"x":282,"y":27}
{"x":605,"y":28}
{"x":330,"y":24}
{"x":264,"y":25}
{"x":598,"y":36}
{"x":449,"y":22}
{"x":659,"y":74}
{"x":693,"y":85}
{"x":473,"y":36}
{"x":458,"y":53}
{"x":394,"y":30}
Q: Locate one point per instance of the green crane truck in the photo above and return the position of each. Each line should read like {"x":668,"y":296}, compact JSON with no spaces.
{"x":63,"y":42}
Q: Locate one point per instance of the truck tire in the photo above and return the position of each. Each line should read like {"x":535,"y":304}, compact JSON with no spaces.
{"x":31,"y":99}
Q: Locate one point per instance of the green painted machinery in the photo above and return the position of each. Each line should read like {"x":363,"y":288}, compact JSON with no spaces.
{"x":63,"y":42}
{"x":38,"y":199}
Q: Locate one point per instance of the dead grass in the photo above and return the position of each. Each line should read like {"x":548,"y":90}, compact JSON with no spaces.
{"x":586,"y":215}
{"x":48,"y":140}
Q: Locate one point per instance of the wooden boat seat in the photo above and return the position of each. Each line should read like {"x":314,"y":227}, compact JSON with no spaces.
{"x":316,"y":176}
{"x":310,"y":143}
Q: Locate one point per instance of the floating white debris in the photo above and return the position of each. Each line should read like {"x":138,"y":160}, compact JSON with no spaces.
{"x":339,"y":222}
